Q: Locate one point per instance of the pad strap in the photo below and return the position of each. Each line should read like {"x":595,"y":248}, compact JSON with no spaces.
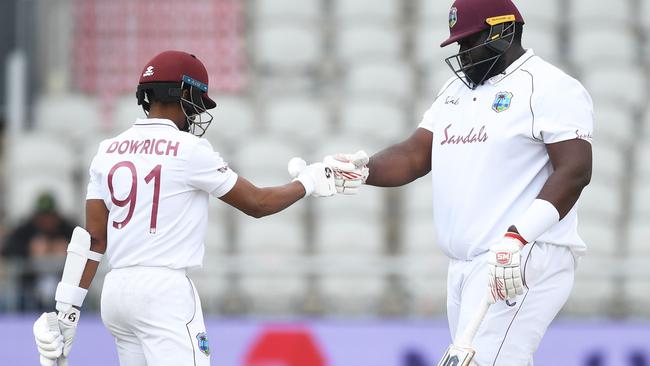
{"x":94,"y":256}
{"x":69,"y":294}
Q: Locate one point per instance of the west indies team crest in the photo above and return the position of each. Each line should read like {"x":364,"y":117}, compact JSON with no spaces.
{"x":502,"y":102}
{"x":204,"y":344}
{"x":453,"y":17}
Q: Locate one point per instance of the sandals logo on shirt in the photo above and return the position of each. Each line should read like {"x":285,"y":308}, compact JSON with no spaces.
{"x":204,"y":344}
{"x":502,"y":102}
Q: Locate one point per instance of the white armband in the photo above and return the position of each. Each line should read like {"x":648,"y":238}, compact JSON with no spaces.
{"x":69,"y":294}
{"x":538,"y":218}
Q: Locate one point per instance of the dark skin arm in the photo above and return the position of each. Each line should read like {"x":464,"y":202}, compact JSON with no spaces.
{"x":96,"y":221}
{"x":402,"y":163}
{"x":572,"y":172}
{"x":571,"y":162}
{"x":260,"y":202}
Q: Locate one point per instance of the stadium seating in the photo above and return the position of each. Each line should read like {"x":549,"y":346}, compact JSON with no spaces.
{"x":544,"y":13}
{"x":367,"y":42}
{"x":588,"y":47}
{"x":289,"y":10}
{"x":263,"y":160}
{"x":586,"y":12}
{"x":371,"y":118}
{"x":288,"y":48}
{"x":603,"y":83}
{"x":390,"y":79}
{"x":234,"y":118}
{"x":318,"y":77}
{"x":613,"y":125}
{"x":298,"y":118}
{"x":52,"y":115}
{"x":386,"y":11}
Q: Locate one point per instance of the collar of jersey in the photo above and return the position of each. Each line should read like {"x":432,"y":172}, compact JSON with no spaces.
{"x":155,"y":122}
{"x":513,"y":67}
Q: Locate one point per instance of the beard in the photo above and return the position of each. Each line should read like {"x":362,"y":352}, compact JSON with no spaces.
{"x":482,"y":71}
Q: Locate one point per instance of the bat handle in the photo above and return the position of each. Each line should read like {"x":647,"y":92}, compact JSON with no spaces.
{"x":473,"y":325}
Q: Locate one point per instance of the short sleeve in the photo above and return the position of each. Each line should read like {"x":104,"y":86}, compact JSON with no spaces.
{"x":565,"y":112}
{"x":94,"y":191}
{"x":207,"y":171}
{"x":428,"y":119}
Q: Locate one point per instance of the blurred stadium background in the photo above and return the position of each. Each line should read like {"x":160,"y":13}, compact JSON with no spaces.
{"x":305,"y":78}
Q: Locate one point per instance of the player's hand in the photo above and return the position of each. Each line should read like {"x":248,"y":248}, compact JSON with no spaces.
{"x":504,"y":268}
{"x":68,"y":325}
{"x":317,"y":178}
{"x":350,"y":170}
{"x":49,"y":339}
{"x":54,"y":335}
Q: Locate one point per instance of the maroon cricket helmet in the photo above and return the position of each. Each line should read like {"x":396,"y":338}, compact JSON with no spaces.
{"x":468,"y":17}
{"x":178,"y":67}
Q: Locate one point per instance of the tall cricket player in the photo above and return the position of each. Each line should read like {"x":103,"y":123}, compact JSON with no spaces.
{"x":146,"y":211}
{"x":508,"y":143}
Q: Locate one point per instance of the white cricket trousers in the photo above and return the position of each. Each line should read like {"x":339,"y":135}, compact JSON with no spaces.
{"x":155,"y":315}
{"x":512,"y":330}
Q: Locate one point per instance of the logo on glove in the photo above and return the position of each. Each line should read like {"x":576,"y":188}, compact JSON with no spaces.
{"x":328,"y":172}
{"x":504,"y":257}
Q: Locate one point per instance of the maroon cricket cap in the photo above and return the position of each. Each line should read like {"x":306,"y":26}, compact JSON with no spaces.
{"x":467,"y":17}
{"x":178,"y":66}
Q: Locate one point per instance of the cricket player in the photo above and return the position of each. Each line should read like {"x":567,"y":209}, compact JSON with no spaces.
{"x":508,"y":143}
{"x":146,"y":212}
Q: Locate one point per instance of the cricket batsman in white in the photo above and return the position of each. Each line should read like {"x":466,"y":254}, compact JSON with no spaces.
{"x":508,"y":143}
{"x":146,"y":213}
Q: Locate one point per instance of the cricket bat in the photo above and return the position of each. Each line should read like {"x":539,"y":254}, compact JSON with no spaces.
{"x":461,"y":353}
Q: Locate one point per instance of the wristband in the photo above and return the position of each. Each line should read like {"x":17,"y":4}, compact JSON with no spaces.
{"x":538,"y":218}
{"x":307,"y":183}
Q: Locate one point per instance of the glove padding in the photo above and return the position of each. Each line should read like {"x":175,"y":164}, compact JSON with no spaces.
{"x":54,"y":335}
{"x":350,"y":170}
{"x":317,"y":178}
{"x":504,"y":270}
{"x":49,"y":340}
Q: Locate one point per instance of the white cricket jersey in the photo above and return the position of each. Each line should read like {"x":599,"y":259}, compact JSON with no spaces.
{"x":489,"y":160}
{"x":155,"y":181}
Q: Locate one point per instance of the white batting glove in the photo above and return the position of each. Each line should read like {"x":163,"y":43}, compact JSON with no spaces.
{"x":68,"y":324}
{"x":350,"y":170}
{"x":317,"y":178}
{"x":49,"y":340}
{"x":54,"y":335}
{"x":504,"y":268}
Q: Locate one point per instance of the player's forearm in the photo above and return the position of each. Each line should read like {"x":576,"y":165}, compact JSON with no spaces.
{"x":395,"y":166}
{"x":271,"y":200}
{"x":97,"y":246}
{"x":563,"y":188}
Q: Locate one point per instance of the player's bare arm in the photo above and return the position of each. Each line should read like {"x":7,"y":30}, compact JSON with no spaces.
{"x":260,"y":202}
{"x":55,"y":332}
{"x":309,"y":180}
{"x":402,"y":163}
{"x":571,"y":161}
{"x":96,"y":221}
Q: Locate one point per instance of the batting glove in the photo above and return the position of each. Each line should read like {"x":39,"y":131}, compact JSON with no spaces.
{"x":49,"y":340}
{"x":317,"y":178}
{"x":504,"y":268}
{"x":350,"y":170}
{"x":54,"y":335}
